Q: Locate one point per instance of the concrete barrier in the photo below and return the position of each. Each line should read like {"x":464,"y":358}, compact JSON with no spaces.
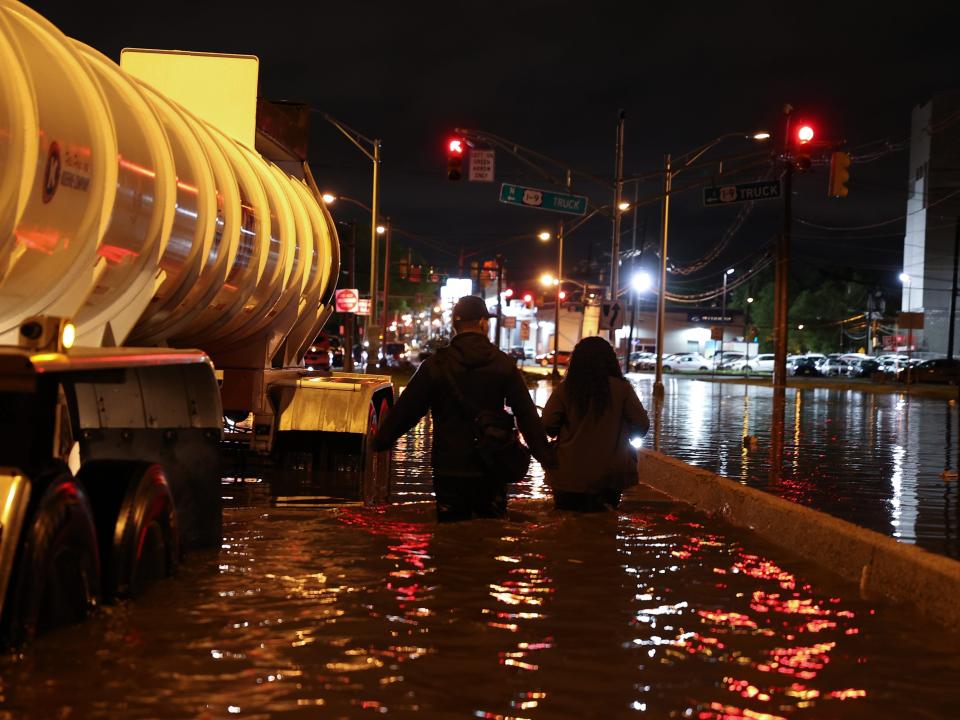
{"x":880,"y":565}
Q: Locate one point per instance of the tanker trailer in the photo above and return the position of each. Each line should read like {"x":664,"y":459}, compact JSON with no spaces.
{"x":157,"y":274}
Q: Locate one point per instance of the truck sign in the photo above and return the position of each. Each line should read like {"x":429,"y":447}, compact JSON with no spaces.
{"x":543,"y":199}
{"x":744,"y":192}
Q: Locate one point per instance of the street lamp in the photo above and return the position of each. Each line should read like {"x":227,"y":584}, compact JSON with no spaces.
{"x":746,"y":345}
{"x":668,"y":175}
{"x":544,"y":236}
{"x":362,"y":143}
{"x":641,"y":282}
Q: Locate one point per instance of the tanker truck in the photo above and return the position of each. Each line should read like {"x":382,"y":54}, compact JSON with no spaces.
{"x":161,"y":275}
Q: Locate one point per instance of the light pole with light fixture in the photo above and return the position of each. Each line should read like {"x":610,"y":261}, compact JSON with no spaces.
{"x":641,"y":282}
{"x":668,"y":174}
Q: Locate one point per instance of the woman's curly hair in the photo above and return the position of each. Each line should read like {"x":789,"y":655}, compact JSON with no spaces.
{"x":587,"y":383}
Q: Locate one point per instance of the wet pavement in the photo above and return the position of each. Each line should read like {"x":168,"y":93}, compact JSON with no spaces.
{"x":887,"y":462}
{"x":347,"y":612}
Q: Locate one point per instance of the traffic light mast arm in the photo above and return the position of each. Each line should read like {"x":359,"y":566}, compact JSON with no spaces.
{"x":518,"y":151}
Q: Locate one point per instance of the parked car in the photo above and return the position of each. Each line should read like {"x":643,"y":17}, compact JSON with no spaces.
{"x":317,"y":357}
{"x":805,"y":367}
{"x":760,"y":363}
{"x":546,"y":360}
{"x":833,"y":367}
{"x":643,"y":361}
{"x":862,"y":368}
{"x":395,"y":354}
{"x":725,"y":359}
{"x":940,"y":370}
{"x":686,"y":363}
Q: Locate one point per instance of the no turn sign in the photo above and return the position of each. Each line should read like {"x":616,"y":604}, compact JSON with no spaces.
{"x":347,"y":300}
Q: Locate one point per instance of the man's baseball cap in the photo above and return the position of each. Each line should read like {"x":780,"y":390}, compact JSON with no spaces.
{"x":470,"y":308}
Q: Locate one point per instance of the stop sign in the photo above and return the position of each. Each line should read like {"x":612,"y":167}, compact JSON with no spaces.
{"x":347,"y":299}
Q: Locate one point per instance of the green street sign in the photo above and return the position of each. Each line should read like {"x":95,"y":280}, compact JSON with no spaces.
{"x":543,"y":199}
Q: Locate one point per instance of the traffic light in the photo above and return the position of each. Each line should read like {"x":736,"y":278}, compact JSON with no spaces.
{"x":802,"y":140}
{"x":839,"y":174}
{"x":454,"y":158}
{"x":528,"y":299}
{"x":805,"y":133}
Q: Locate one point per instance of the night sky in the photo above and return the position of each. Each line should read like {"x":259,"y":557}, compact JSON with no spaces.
{"x":552,"y":76}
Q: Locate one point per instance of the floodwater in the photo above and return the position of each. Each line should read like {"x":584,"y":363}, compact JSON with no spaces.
{"x":887,"y":462}
{"x":351,"y":612}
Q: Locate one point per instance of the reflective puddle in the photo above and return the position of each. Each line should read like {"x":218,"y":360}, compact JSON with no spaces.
{"x":886,"y":462}
{"x":348,"y":612}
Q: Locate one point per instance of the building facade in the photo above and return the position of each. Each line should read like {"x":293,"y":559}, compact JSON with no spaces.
{"x":933,"y":213}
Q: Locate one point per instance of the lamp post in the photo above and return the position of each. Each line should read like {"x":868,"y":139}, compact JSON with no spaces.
{"x":746,"y":348}
{"x":723,"y":313}
{"x":668,"y":174}
{"x":362,"y":143}
{"x":640,"y":282}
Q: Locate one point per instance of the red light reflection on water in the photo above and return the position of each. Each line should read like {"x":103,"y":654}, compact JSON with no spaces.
{"x":410,"y":543}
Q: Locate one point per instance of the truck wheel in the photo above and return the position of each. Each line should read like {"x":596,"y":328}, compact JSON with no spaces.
{"x":136,"y":524}
{"x":56,"y":577}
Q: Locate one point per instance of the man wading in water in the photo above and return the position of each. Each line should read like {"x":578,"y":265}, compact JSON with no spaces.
{"x":485,"y":379}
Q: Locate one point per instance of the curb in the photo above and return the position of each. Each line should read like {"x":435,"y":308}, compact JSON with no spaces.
{"x":880,"y":565}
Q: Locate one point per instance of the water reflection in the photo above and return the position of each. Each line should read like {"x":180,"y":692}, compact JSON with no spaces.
{"x":345,"y":611}
{"x":874,"y":459}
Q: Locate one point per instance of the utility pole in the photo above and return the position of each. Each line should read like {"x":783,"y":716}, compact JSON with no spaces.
{"x":662,"y":291}
{"x":500,"y":301}
{"x":350,"y":319}
{"x":634,"y":265}
{"x":782,"y":267}
{"x":953,"y":291}
{"x":386,"y":276}
{"x":617,"y":199}
{"x":556,"y":313}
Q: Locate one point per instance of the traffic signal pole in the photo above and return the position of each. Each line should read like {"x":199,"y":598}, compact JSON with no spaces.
{"x":556,"y":314}
{"x":782,"y":269}
{"x":617,"y":199}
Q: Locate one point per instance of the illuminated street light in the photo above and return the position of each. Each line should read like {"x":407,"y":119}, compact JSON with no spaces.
{"x":381,"y":229}
{"x":800,"y":326}
{"x":749,"y":299}
{"x":549,"y":280}
{"x":641,"y":282}
{"x":544,"y":235}
{"x":624,"y":206}
{"x":329,"y":199}
{"x":904,"y":278}
{"x":729,"y":271}
{"x":762,"y":135}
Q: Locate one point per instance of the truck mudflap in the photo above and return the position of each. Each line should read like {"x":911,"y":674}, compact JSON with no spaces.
{"x":14,"y":497}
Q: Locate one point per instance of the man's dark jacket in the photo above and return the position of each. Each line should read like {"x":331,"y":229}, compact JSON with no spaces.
{"x":488,"y":379}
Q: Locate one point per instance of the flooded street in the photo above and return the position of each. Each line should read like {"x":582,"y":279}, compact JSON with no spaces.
{"x":887,"y":462}
{"x":346,"y":612}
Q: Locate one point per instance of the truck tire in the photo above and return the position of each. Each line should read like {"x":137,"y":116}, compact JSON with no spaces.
{"x":136,"y":520}
{"x":56,"y":578}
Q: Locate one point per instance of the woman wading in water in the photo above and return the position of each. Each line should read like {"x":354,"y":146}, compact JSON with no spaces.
{"x":593,"y":414}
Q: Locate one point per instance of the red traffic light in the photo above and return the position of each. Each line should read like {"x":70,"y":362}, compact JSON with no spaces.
{"x":454,"y":158}
{"x":563,"y":294}
{"x":804,"y":133}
